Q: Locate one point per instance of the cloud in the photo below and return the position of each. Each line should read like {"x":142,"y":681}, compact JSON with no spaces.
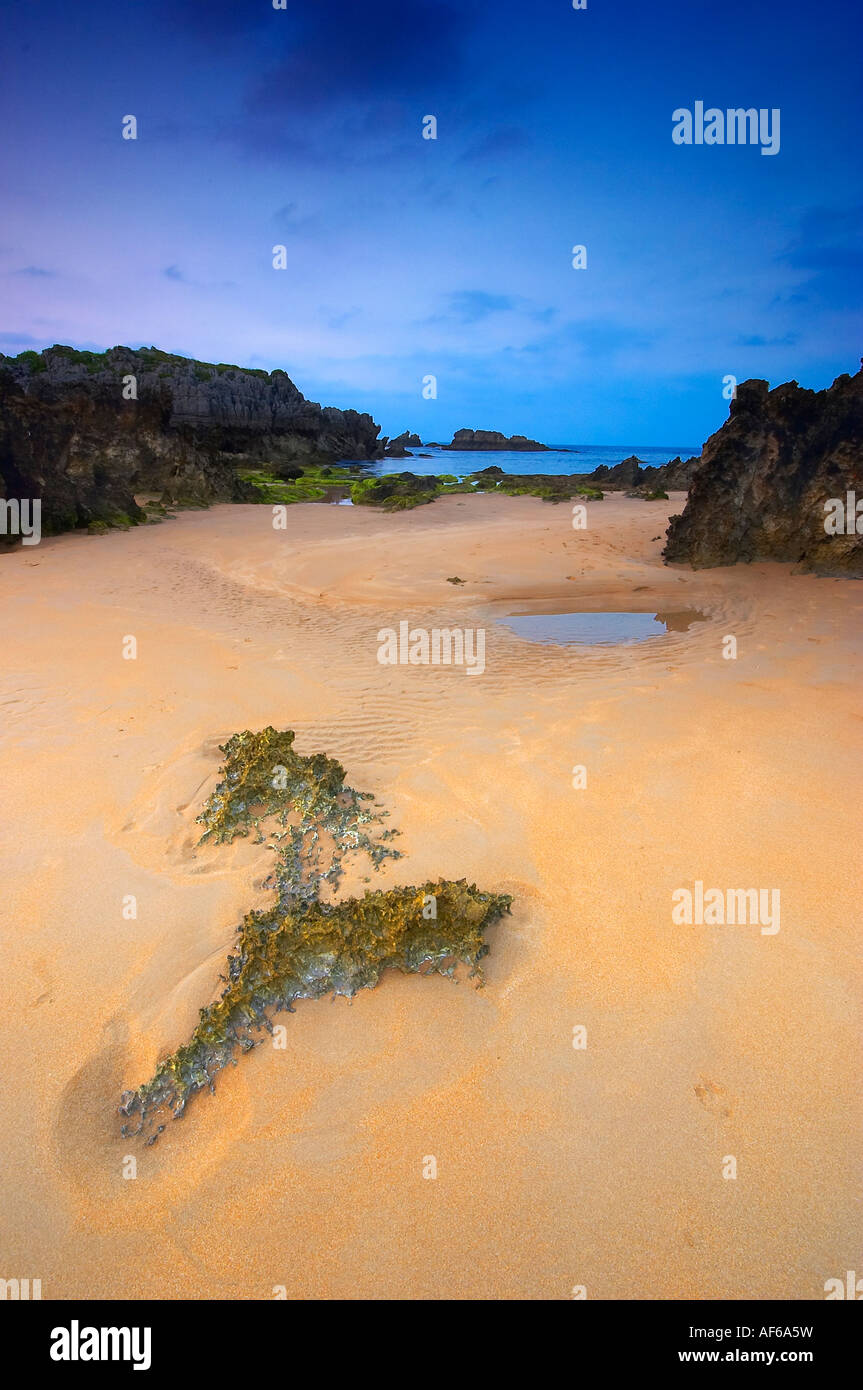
{"x":595,"y":339}
{"x":173,"y":272}
{"x":339,"y":80}
{"x":289,"y":224}
{"x":827,"y":245}
{"x":503,"y":141}
{"x":36,"y":271}
{"x":335,"y":320}
{"x":339,"y":51}
{"x":214,"y":20}
{"x":472,"y":306}
{"x":14,"y":339}
{"x":756,"y":340}
{"x":476,"y":306}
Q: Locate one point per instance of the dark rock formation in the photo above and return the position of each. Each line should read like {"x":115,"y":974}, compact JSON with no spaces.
{"x":623,"y":474}
{"x":398,"y":448}
{"x":676,"y":475}
{"x":764,"y":486}
{"x":493,"y":439}
{"x":68,"y":436}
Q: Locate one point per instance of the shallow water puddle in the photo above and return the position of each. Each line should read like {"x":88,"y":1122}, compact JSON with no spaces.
{"x":599,"y":629}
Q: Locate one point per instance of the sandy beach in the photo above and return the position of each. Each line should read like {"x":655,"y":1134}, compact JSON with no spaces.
{"x":598,"y":1167}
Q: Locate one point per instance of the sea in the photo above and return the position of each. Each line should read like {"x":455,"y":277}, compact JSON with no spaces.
{"x":561,"y":459}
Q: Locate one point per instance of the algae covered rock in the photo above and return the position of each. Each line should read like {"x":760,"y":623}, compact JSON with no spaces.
{"x":303,"y":947}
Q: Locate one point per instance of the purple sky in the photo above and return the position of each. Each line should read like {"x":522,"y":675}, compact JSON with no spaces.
{"x":409,"y":257}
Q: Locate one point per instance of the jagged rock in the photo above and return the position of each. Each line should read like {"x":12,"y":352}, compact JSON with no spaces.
{"x":674,"y":476}
{"x":493,"y":439}
{"x":641,"y":479}
{"x":67,"y":436}
{"x":397,"y":448}
{"x":767,"y":477}
{"x":625,"y":474}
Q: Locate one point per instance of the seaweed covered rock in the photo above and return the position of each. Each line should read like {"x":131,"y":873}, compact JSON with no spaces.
{"x":86,"y":431}
{"x":550,"y":487}
{"x":396,"y":492}
{"x":303,"y":947}
{"x":772,"y":479}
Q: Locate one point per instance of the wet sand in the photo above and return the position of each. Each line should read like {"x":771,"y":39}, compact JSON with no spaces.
{"x":556,"y":1167}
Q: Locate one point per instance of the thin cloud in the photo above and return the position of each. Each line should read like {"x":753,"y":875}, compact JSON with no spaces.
{"x":506,"y":140}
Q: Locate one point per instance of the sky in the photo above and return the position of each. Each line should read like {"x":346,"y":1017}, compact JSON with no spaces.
{"x":408,"y":258}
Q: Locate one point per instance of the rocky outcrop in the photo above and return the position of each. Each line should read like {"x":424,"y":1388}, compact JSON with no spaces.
{"x":493,"y":439}
{"x":398,"y":491}
{"x":86,"y":432}
{"x":774,"y":482}
{"x":676,"y":475}
{"x":398,"y":448}
{"x":623,"y":474}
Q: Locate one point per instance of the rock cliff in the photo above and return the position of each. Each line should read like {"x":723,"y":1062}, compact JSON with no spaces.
{"x":779,"y":481}
{"x":87,"y":431}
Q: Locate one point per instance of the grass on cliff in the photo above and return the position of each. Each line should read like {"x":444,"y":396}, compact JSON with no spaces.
{"x":302,"y":947}
{"x":150,"y":356}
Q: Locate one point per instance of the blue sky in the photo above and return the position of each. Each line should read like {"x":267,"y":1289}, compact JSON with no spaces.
{"x":410,"y":257}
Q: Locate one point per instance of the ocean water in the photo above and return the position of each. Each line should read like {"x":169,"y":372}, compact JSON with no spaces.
{"x":571,"y":458}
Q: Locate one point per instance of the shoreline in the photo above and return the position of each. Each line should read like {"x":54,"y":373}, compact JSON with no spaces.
{"x":556,"y":1166}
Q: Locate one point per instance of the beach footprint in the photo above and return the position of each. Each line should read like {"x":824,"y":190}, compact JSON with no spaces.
{"x":714,"y":1098}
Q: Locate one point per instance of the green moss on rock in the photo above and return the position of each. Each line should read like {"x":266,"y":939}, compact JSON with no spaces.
{"x":302,"y":947}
